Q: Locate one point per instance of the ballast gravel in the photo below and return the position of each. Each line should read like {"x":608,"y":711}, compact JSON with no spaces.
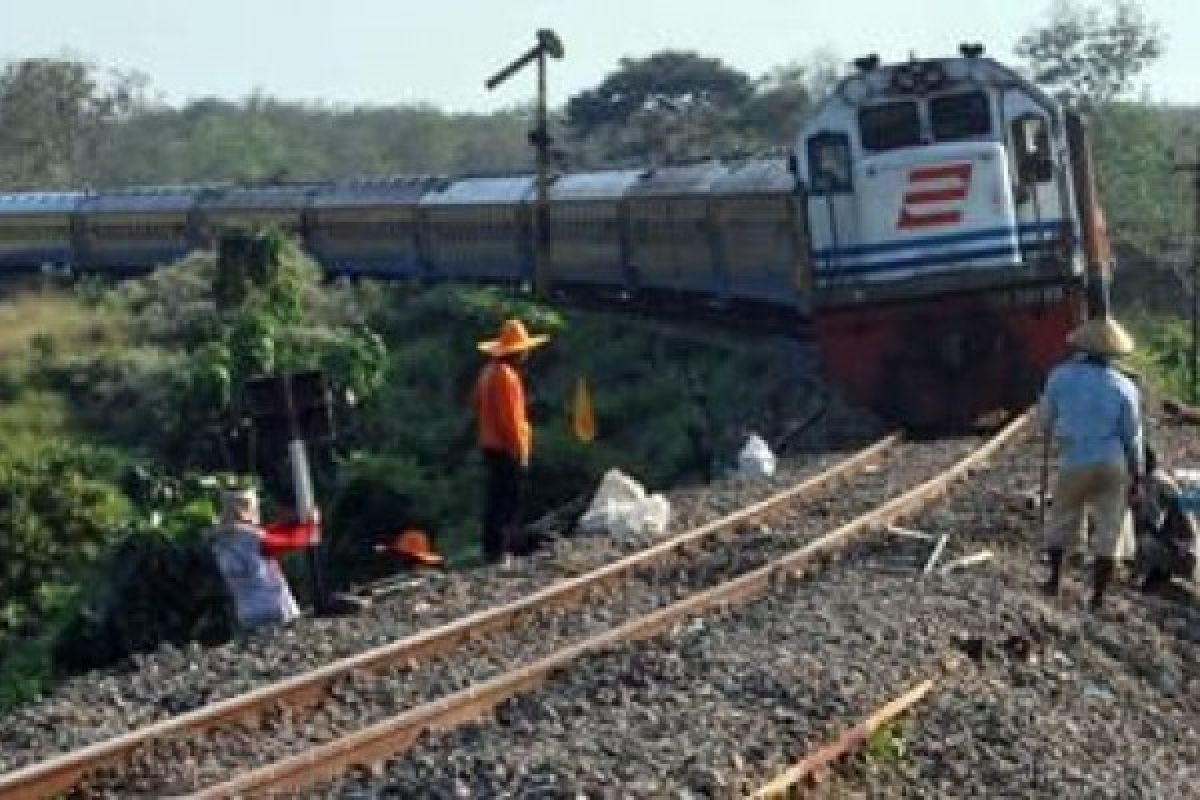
{"x":174,"y":679}
{"x":182,"y":765}
{"x":1044,"y":700}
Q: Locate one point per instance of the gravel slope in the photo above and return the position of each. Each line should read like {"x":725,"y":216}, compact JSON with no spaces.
{"x":171,"y":680}
{"x":180,"y":766}
{"x":1059,"y":703}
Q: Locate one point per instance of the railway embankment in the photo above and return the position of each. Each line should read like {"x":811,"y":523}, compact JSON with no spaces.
{"x":140,"y":609}
{"x":1031,"y":699}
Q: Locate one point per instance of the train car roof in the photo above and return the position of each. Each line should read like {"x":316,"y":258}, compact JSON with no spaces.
{"x":249,"y":197}
{"x":145,"y":198}
{"x":686,"y":179}
{"x":504,"y":190}
{"x":376,"y":191}
{"x":15,"y":203}
{"x":600,"y":185}
{"x":755,"y":175}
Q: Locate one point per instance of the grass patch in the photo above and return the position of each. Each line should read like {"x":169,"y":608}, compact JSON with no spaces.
{"x":52,"y":321}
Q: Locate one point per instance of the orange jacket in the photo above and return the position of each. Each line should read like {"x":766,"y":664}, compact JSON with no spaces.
{"x":500,"y":408}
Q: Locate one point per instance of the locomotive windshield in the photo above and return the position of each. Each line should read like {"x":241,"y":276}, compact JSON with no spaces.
{"x":890,"y":126}
{"x":960,"y":116}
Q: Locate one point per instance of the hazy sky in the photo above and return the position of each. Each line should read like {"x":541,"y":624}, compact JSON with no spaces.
{"x":404,"y":51}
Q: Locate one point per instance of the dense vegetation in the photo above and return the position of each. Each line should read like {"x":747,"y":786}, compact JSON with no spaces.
{"x":117,"y":401}
{"x":126,"y":398}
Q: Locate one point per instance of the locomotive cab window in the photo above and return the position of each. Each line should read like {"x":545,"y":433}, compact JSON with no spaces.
{"x":890,"y":126}
{"x":960,"y":116}
{"x":829,"y":163}
{"x":1031,"y":148}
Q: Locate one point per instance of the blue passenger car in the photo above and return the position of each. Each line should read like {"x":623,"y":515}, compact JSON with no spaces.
{"x":759,"y":219}
{"x":135,"y":230}
{"x":478,"y":229}
{"x":36,"y":229}
{"x":245,"y":207}
{"x":673,"y":244}
{"x":369,"y":227}
{"x":588,"y":229}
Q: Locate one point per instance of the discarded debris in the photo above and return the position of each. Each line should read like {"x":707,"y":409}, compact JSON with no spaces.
{"x":622,"y":508}
{"x":755,"y":461}
{"x":908,"y":533}
{"x":967,"y":561}
{"x":936,"y":554}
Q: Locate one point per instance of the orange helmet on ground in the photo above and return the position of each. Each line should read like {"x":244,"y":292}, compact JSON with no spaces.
{"x":415,"y":546}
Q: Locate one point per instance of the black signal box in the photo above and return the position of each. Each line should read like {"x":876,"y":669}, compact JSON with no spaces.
{"x":294,"y":405}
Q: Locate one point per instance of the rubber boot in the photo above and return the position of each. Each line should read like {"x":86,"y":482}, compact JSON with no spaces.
{"x":1054,"y":582}
{"x":1102,"y":575}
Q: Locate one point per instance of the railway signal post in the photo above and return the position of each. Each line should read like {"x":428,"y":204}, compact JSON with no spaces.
{"x":548,"y":44}
{"x":290,"y":409}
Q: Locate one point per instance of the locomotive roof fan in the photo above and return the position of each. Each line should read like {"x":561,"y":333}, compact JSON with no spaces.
{"x":867,"y":63}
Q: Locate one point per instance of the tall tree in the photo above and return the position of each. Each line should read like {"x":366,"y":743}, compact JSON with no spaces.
{"x":52,"y":115}
{"x":1089,"y":55}
{"x":674,"y":79}
{"x":668,"y":105}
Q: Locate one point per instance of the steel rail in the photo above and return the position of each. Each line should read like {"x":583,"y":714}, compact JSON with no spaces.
{"x":808,"y":769}
{"x":62,"y":773}
{"x":389,"y":737}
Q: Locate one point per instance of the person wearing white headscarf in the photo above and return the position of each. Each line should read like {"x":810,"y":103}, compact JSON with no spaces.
{"x":246,"y":554}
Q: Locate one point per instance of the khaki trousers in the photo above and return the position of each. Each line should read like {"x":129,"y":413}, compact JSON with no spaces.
{"x":1100,"y":491}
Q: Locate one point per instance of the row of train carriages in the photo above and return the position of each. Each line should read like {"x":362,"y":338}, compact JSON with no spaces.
{"x":722,"y":230}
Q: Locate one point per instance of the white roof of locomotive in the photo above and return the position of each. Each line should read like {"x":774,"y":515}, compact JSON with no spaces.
{"x":864,"y":88}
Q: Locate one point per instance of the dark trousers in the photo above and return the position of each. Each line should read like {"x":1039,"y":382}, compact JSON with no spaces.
{"x":502,"y":504}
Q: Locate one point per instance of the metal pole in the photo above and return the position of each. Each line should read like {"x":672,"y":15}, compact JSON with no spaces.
{"x":1196,"y":289}
{"x":540,"y":217}
{"x":302,"y":493}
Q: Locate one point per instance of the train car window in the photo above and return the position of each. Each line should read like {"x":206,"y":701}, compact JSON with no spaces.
{"x":829,"y":162}
{"x":890,"y":126}
{"x":960,"y":116}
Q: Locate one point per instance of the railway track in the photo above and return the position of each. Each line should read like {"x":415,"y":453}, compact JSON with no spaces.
{"x":66,"y":772}
{"x":364,"y":709}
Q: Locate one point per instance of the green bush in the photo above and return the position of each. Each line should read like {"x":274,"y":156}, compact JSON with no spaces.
{"x":1164,"y":354}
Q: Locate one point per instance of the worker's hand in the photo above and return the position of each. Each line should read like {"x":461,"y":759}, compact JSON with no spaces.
{"x":314,"y":519}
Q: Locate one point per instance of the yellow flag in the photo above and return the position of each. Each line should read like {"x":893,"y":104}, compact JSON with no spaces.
{"x":583,"y":421}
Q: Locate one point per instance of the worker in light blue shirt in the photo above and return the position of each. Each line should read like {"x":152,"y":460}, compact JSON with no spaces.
{"x":1094,"y":413}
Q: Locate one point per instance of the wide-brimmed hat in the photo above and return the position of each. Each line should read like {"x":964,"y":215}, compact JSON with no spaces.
{"x":414,"y":545}
{"x":1104,"y":337}
{"x":513,"y":338}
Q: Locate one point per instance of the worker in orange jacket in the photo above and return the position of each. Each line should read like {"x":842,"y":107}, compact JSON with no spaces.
{"x":505,"y":435}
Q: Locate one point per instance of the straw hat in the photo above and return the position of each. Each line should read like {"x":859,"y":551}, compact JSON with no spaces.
{"x":1103,"y":337}
{"x":239,"y":505}
{"x":414,"y":545}
{"x":513,"y":339}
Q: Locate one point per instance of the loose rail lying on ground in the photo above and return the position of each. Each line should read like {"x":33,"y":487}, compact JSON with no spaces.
{"x":62,"y":773}
{"x":811,"y":765}
{"x":375,"y":743}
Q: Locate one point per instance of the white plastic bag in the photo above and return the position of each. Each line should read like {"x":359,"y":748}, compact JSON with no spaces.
{"x":622,"y":508}
{"x":755,"y":461}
